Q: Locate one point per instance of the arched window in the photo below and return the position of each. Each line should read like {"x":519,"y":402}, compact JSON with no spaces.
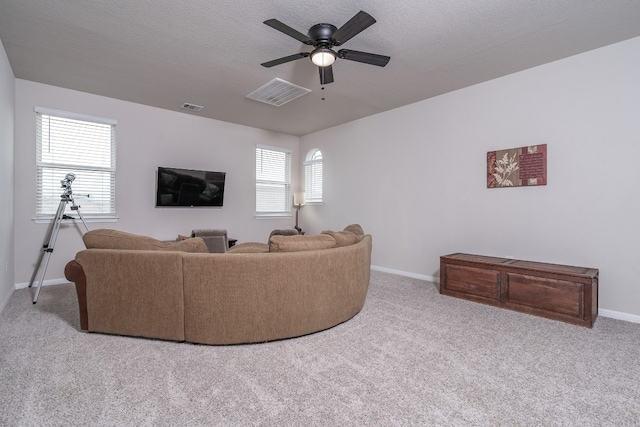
{"x":313,"y":176}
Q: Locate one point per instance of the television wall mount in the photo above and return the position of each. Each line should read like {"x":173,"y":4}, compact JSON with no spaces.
{"x":54,"y":227}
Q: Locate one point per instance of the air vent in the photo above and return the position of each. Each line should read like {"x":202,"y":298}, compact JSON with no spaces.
{"x":192,"y":107}
{"x":278,"y":92}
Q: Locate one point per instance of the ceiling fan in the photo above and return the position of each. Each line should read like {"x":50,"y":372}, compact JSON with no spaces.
{"x":323,"y":37}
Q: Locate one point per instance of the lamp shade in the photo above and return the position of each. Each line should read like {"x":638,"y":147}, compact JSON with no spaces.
{"x":323,"y":57}
{"x":298,"y":199}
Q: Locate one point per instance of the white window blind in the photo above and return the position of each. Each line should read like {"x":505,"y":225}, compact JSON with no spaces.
{"x":313,"y":176}
{"x":273,"y":181}
{"x":81,"y":145}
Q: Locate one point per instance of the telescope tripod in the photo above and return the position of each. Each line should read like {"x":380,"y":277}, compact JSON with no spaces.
{"x":52,"y":233}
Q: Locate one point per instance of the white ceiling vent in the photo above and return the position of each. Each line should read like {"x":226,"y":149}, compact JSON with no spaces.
{"x":278,"y":92}
{"x":192,"y":107}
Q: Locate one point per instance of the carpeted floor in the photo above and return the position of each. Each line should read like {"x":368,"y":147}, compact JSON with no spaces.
{"x":411,"y":357}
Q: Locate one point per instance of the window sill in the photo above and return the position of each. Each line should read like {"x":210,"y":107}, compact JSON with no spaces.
{"x":273,"y":216}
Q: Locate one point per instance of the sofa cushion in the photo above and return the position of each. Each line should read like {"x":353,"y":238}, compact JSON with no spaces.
{"x":343,"y":238}
{"x":300,"y":243}
{"x":115,"y":239}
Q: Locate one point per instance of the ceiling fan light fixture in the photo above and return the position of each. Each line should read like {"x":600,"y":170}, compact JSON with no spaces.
{"x":323,"y":57}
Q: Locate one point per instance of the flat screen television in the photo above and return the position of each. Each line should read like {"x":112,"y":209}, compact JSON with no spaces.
{"x":186,"y":187}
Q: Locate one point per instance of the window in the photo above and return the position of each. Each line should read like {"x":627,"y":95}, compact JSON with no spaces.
{"x":81,"y":145}
{"x":273,"y":181}
{"x":313,"y":176}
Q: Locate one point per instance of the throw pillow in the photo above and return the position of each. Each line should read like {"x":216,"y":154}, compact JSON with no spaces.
{"x":283,"y":232}
{"x":355,"y":229}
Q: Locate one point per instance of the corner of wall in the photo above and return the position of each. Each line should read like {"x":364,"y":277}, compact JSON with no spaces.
{"x":7,"y":218}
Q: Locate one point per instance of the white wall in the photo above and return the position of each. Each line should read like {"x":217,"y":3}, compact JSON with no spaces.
{"x":146,"y":138}
{"x":7,"y":96}
{"x":415,"y":177}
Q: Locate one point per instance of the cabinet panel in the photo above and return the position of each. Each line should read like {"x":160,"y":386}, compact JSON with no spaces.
{"x":556,"y":296}
{"x":474,"y":281}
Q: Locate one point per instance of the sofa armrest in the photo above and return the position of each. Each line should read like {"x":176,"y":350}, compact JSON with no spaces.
{"x":74,"y":273}
{"x":134,"y":292}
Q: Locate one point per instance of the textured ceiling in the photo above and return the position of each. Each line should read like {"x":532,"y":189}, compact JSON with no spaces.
{"x":164,"y":53}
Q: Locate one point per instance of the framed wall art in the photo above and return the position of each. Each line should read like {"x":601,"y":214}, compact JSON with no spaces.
{"x":517,"y":167}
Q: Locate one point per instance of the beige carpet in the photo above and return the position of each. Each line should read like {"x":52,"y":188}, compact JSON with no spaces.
{"x":411,"y":357}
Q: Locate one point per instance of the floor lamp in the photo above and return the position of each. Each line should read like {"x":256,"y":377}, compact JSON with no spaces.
{"x":298,"y":202}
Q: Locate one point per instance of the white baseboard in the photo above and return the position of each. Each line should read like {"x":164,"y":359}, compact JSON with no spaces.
{"x":44,"y":283}
{"x":619,"y":315}
{"x":627,"y":317}
{"x":406,"y":274}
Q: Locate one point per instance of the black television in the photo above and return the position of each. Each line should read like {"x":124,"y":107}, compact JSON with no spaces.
{"x":191,"y":188}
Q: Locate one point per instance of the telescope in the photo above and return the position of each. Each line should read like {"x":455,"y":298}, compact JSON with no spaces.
{"x":68,"y":179}
{"x":54,"y":227}
{"x":66,"y":184}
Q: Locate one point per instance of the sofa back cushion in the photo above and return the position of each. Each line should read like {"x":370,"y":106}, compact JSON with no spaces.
{"x":193,"y":245}
{"x":297,"y":243}
{"x":343,"y":238}
{"x":114,"y":239}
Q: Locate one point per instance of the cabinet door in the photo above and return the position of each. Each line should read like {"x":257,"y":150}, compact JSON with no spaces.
{"x":478,"y":282}
{"x":552,"y":295}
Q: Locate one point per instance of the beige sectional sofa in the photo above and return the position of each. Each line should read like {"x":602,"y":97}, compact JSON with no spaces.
{"x":293,"y":286}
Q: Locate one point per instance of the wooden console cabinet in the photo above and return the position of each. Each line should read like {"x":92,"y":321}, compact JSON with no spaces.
{"x":559,"y":292}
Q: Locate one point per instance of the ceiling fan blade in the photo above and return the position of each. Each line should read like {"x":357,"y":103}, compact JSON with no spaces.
{"x":283,"y":28}
{"x":360,"y":22}
{"x":367,"y":58}
{"x":326,"y":75}
{"x":284,"y":59}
